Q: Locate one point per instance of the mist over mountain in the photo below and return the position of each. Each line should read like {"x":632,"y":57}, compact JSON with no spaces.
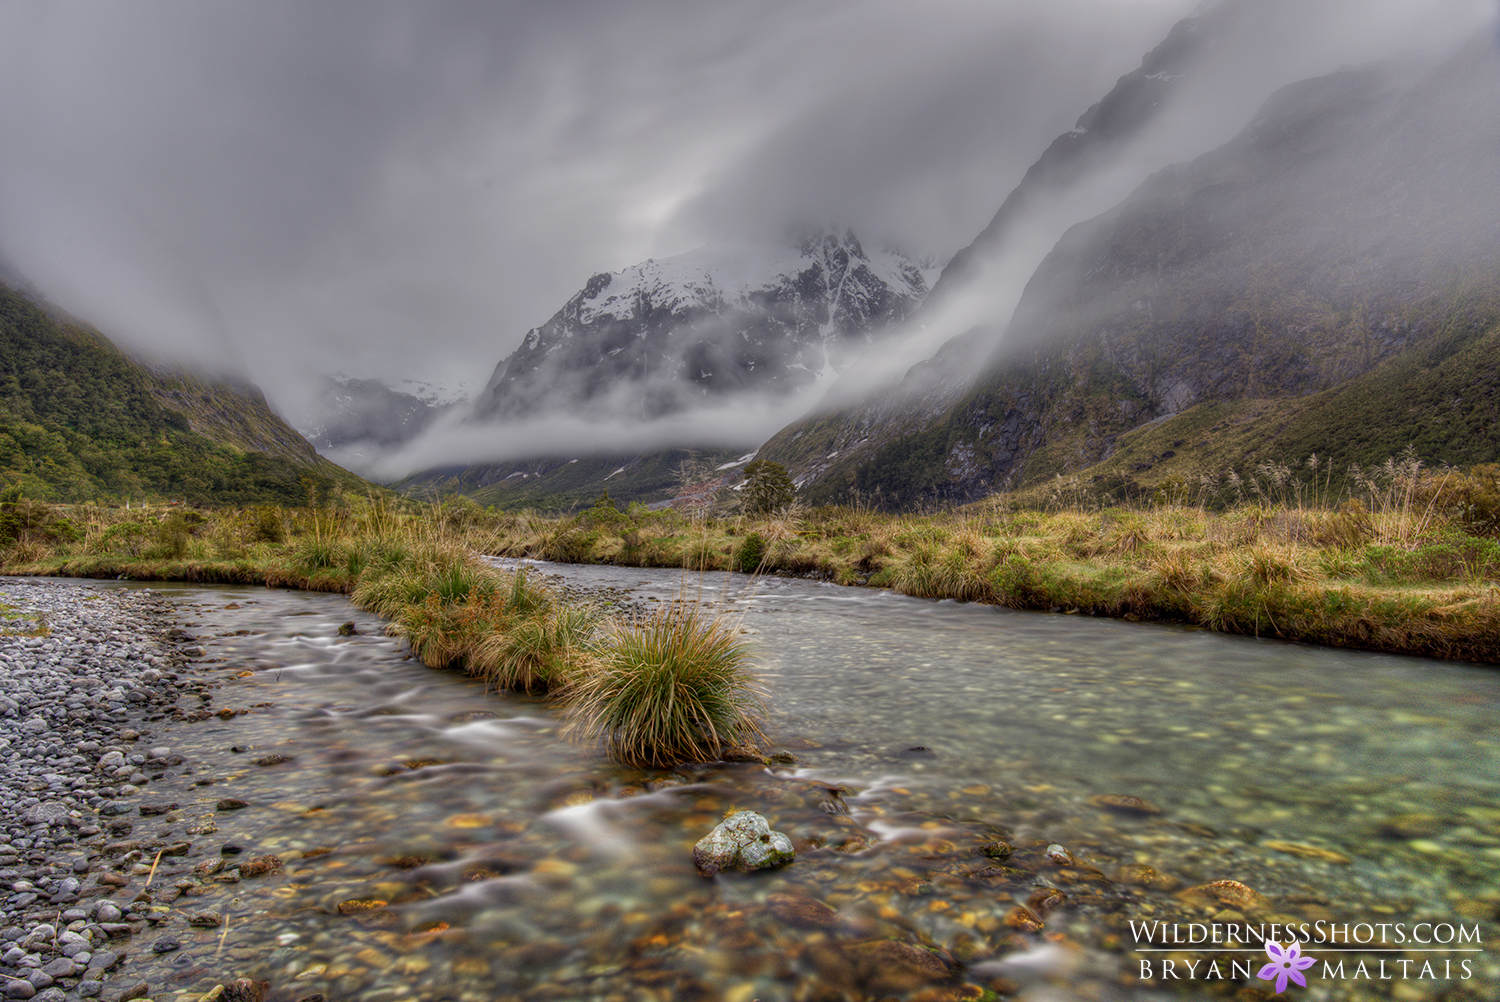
{"x":1198,"y":109}
{"x":410,"y":195}
{"x":80,"y":420}
{"x":713,"y":348}
{"x":662,"y":336}
{"x":1355,"y":219}
{"x":355,"y":422}
{"x":402,"y":191}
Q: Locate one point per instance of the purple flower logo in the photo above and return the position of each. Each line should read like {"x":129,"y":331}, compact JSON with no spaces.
{"x":1288,"y":963}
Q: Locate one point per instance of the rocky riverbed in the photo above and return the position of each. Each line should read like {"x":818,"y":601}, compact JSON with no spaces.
{"x":88,"y":678}
{"x":272,"y":797}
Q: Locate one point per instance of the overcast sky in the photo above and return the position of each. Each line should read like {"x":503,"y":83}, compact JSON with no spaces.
{"x":403,"y":189}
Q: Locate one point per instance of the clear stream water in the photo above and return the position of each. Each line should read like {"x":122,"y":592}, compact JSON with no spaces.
{"x":1343,"y":789}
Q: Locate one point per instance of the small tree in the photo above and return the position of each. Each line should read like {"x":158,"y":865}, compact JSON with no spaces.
{"x":768,"y":488}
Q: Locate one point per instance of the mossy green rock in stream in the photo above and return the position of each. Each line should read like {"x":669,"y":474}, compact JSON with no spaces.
{"x":742,"y":841}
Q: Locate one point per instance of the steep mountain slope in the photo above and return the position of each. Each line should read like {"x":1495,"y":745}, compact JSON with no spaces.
{"x":1355,"y":219}
{"x":79,"y":420}
{"x":659,"y":336}
{"x":1074,"y":172}
{"x":359,"y":420}
{"x":229,"y":412}
{"x":1104,"y":131}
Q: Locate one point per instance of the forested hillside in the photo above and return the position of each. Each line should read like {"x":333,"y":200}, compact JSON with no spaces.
{"x":79,"y":420}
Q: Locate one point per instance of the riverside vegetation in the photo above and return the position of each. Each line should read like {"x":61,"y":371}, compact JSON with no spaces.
{"x":1394,"y":557}
{"x":659,"y":690}
{"x":1398,"y":558}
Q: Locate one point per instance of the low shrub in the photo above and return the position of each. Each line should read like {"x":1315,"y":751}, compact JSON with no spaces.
{"x":573,"y":543}
{"x":750,"y":553}
{"x":1468,"y":500}
{"x":266,"y":525}
{"x":1347,"y":528}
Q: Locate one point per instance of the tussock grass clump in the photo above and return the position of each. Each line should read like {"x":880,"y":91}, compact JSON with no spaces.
{"x":1268,"y":563}
{"x":1176,"y":571}
{"x":917,"y":575}
{"x":541,"y":653}
{"x":673,"y":687}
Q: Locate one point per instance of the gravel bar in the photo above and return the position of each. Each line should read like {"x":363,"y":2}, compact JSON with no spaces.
{"x":84,"y":673}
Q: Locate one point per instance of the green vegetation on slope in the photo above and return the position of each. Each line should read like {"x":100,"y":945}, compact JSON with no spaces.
{"x":566,"y":485}
{"x":1440,"y":401}
{"x":79,"y":420}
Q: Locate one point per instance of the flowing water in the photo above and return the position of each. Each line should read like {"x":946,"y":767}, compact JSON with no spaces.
{"x":441,"y":842}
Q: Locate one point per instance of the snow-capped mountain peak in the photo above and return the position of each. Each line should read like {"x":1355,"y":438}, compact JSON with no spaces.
{"x":716,"y":320}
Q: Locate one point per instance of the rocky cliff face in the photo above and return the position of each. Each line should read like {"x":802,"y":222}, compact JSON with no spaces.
{"x":1354,"y":219}
{"x":659,"y":336}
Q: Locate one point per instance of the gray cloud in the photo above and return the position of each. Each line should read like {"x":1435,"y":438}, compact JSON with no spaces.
{"x":403,"y":189}
{"x":1286,"y":41}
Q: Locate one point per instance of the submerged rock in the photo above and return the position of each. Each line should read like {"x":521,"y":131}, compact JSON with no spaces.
{"x":742,"y":841}
{"x":889,"y":966}
{"x":744,"y":753}
{"x":1309,"y":852}
{"x":1059,"y":855}
{"x":1141,"y":875}
{"x":1125,"y":804}
{"x":1226,"y":892}
{"x":802,"y":911}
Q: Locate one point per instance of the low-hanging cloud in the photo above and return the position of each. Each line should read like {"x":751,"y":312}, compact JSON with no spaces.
{"x":404,"y":189}
{"x":391,"y":190}
{"x":736,"y":422}
{"x":1281,"y":42}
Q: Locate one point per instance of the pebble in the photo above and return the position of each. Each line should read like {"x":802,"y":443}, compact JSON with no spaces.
{"x":70,"y":703}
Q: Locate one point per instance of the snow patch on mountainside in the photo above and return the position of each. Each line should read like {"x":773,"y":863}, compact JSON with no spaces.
{"x":719,"y":321}
{"x":725,"y":276}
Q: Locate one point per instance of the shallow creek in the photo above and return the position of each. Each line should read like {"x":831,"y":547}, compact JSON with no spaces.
{"x":441,"y":842}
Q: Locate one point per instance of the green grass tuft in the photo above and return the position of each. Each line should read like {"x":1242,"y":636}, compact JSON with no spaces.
{"x":675,"y":687}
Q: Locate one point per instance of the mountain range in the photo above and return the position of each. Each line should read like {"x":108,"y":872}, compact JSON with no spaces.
{"x":1326,"y":281}
{"x":1354,"y":221}
{"x":1349,"y":229}
{"x":718,"y":326}
{"x":661,"y":336}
